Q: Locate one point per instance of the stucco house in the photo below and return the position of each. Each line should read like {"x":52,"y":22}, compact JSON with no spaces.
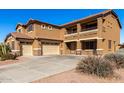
{"x":95,"y":34}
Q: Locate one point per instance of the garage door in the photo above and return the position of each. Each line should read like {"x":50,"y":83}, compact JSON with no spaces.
{"x":27,"y":50}
{"x":51,"y":49}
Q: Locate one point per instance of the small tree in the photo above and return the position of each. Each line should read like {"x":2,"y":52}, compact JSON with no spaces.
{"x":4,"y":49}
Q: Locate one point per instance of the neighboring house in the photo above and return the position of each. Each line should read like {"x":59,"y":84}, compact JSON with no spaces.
{"x":121,"y":46}
{"x":95,"y":34}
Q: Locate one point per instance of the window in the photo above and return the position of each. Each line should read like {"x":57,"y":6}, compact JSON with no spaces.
{"x":71,"y":45}
{"x":50,"y":27}
{"x":43,"y":27}
{"x":89,"y":26}
{"x":89,"y":45}
{"x":71,"y":30}
{"x":13,"y":45}
{"x":30,"y":28}
{"x":19,"y":30}
{"x":109,"y":44}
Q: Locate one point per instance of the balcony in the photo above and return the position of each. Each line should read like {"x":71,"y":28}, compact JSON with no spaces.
{"x":90,"y":28}
{"x":88,"y":33}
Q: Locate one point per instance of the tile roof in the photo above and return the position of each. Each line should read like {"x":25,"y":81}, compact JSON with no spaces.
{"x":21,"y":35}
{"x":18,"y":35}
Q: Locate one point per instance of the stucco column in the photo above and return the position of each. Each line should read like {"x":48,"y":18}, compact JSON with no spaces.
{"x":78,"y":44}
{"x":99,"y":27}
{"x":99,"y":35}
{"x":99,"y":46}
{"x":78,"y":37}
{"x":78,"y":30}
{"x":62,"y":44}
{"x":17,"y":47}
{"x":61,"y":48}
{"x":66,"y":50}
{"x":37,"y":48}
{"x":78,"y":51}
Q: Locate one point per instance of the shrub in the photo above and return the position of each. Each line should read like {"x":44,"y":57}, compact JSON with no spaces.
{"x":95,"y":65}
{"x":5,"y":52}
{"x":116,"y":59}
{"x":8,"y":56}
{"x":4,"y":49}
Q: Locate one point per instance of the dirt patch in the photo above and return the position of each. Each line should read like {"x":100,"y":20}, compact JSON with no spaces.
{"x":19,"y":59}
{"x":74,"y":77}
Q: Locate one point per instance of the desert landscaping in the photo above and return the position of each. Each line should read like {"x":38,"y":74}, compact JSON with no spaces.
{"x":92,"y":69}
{"x":73,"y":77}
{"x":108,"y":68}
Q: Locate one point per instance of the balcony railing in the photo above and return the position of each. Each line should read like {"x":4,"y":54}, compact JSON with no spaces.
{"x":71,"y":32}
{"x":84,"y":29}
{"x":90,"y":28}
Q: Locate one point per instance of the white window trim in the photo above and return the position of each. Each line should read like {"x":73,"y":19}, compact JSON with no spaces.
{"x":71,"y":40}
{"x":99,"y":49}
{"x":50,"y":27}
{"x":91,"y":38}
{"x":71,"y":34}
{"x":37,"y":49}
{"x":43,"y":26}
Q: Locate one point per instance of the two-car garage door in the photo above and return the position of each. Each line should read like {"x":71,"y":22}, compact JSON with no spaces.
{"x":49,"y":49}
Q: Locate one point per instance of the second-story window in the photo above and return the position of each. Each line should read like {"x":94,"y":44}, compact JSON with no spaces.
{"x":19,"y":30}
{"x":43,"y":26}
{"x":50,"y":27}
{"x":71,"y":30}
{"x":30,"y":28}
{"x":89,"y":26}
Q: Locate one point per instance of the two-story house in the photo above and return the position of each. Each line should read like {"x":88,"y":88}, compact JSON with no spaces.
{"x":95,"y":34}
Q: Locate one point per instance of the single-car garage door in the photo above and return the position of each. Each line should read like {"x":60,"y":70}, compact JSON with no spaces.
{"x":27,"y":50}
{"x":49,"y":49}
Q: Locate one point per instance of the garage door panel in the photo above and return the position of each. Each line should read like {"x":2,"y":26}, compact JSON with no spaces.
{"x":51,"y":50}
{"x":27,"y":50}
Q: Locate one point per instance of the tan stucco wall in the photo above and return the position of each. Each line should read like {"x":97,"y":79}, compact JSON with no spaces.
{"x":55,"y":33}
{"x":17,"y":44}
{"x":111,"y":32}
{"x":36,"y":48}
{"x":107,"y":29}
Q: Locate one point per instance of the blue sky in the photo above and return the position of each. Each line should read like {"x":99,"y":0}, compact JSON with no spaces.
{"x":10,"y":18}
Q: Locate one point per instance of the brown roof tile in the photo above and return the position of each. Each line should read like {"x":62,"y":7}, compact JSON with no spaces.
{"x":20,"y":35}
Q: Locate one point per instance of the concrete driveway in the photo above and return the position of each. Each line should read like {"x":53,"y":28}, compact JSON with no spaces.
{"x":37,"y":68}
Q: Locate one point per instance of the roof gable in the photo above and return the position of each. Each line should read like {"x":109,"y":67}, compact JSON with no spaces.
{"x":104,"y":13}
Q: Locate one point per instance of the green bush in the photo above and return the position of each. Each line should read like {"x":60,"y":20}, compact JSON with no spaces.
{"x":5,"y":52}
{"x":4,"y":49}
{"x":116,"y":59}
{"x":8,"y":56}
{"x":95,"y":65}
